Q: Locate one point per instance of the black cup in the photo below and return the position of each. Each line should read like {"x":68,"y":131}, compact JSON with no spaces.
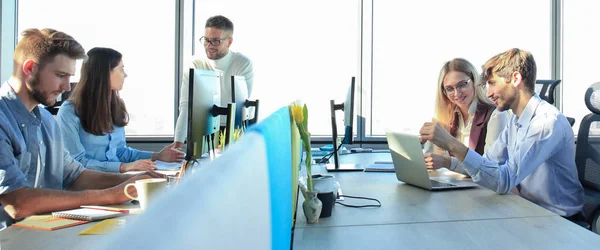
{"x":328,"y":201}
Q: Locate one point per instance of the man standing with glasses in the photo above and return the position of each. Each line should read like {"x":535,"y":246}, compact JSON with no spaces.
{"x":534,"y":156}
{"x":218,"y":37}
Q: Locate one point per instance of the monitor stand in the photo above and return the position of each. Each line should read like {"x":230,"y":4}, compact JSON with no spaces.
{"x":337,"y":167}
{"x":344,"y":168}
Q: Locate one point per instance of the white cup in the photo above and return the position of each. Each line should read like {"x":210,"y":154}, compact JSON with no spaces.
{"x":324,"y":183}
{"x":147,"y":190}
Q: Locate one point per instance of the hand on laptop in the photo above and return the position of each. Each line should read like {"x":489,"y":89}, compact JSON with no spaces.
{"x":436,"y":161}
{"x":439,"y":136}
{"x":435,"y":133}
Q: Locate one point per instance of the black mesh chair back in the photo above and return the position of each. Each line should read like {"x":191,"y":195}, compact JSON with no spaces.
{"x":547,"y":93}
{"x":587,"y":156}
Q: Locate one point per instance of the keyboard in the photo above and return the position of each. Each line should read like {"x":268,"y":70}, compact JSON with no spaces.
{"x":435,"y":183}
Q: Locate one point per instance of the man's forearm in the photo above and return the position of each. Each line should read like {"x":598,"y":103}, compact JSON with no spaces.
{"x":90,"y":179}
{"x":457,"y":149}
{"x":29,"y":201}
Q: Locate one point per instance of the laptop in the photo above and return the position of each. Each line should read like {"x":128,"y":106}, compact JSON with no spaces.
{"x":409,"y":164}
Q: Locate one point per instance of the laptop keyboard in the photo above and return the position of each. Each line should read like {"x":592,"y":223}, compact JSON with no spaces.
{"x":435,"y":183}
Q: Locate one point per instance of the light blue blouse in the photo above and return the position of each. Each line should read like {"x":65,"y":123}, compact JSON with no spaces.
{"x":102,"y":153}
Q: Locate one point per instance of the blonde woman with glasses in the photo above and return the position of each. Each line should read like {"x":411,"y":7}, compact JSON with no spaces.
{"x":465,"y":112}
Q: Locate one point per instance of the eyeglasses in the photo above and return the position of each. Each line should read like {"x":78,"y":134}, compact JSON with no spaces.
{"x":213,"y":42}
{"x":460,"y":87}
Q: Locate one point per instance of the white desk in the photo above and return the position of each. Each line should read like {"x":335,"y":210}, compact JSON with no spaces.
{"x":410,"y":218}
{"x":414,"y":218}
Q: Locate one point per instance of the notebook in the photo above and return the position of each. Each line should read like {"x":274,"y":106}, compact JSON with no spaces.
{"x":126,"y":208}
{"x":380,"y":167}
{"x":87,"y":214}
{"x":409,"y":164}
{"x":47,"y":222}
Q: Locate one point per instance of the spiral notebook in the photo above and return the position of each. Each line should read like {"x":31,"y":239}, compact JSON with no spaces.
{"x":47,"y":222}
{"x":87,"y":214}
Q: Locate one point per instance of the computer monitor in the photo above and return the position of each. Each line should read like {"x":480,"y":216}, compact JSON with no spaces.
{"x":239,"y":96}
{"x":204,"y":94}
{"x":348,"y":108}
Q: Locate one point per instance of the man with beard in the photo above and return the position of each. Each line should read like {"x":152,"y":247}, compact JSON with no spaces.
{"x":36,"y":174}
{"x":218,"y":36}
{"x":534,"y":156}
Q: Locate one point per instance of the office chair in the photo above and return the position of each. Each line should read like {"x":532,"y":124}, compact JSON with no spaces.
{"x":63,"y":97}
{"x":547,"y":93}
{"x":587,"y":158}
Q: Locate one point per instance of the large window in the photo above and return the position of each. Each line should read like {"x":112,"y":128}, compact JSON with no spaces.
{"x":301,"y":50}
{"x":412,"y":40}
{"x":581,"y":52}
{"x":309,"y":50}
{"x":143,"y":31}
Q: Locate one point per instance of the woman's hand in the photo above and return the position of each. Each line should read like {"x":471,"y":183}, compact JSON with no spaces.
{"x":170,"y":153}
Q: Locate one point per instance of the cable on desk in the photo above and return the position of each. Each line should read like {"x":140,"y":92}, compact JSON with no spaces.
{"x":359,"y":197}
{"x":325,"y":158}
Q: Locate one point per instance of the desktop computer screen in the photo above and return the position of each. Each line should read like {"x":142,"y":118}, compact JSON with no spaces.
{"x":204,"y":93}
{"x":348,"y":108}
{"x":239,"y":95}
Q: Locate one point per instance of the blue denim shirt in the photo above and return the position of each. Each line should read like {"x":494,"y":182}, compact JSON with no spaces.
{"x":535,"y":158}
{"x":21,"y":147}
{"x":102,"y":153}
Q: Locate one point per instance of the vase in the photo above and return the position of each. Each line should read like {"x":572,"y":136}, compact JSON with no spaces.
{"x":312,"y":207}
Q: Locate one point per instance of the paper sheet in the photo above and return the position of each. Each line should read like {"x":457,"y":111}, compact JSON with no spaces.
{"x":104,"y":227}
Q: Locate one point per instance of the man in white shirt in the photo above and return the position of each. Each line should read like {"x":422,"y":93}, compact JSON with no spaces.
{"x":218,"y":36}
{"x":534,"y":156}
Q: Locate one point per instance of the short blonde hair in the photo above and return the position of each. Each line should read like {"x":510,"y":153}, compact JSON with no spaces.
{"x":512,"y":60}
{"x":444,"y":108}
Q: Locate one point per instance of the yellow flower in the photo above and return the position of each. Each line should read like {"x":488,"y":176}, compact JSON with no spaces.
{"x":297,"y":113}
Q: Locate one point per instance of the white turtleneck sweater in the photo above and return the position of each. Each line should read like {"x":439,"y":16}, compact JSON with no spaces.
{"x":233,"y":63}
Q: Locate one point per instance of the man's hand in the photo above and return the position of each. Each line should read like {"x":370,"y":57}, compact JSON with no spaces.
{"x":435,"y":133}
{"x":139,"y":165}
{"x":439,"y":136}
{"x":117,"y":193}
{"x":148,"y":174}
{"x":436,"y":161}
{"x":170,"y":153}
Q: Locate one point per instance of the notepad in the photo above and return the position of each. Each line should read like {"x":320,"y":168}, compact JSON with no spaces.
{"x":47,"y":222}
{"x":87,"y":214}
{"x":126,"y":208}
{"x":380,"y":167}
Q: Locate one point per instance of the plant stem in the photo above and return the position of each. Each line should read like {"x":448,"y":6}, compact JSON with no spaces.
{"x":308,"y":171}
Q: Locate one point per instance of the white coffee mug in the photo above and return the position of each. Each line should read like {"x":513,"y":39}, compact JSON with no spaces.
{"x":147,"y":190}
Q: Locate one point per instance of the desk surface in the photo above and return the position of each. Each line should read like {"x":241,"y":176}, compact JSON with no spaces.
{"x":66,"y":238}
{"x":410,"y":218}
{"x":549,"y":232}
{"x":415,"y":218}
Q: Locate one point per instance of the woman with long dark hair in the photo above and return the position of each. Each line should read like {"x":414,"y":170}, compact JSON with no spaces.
{"x":93,"y":120}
